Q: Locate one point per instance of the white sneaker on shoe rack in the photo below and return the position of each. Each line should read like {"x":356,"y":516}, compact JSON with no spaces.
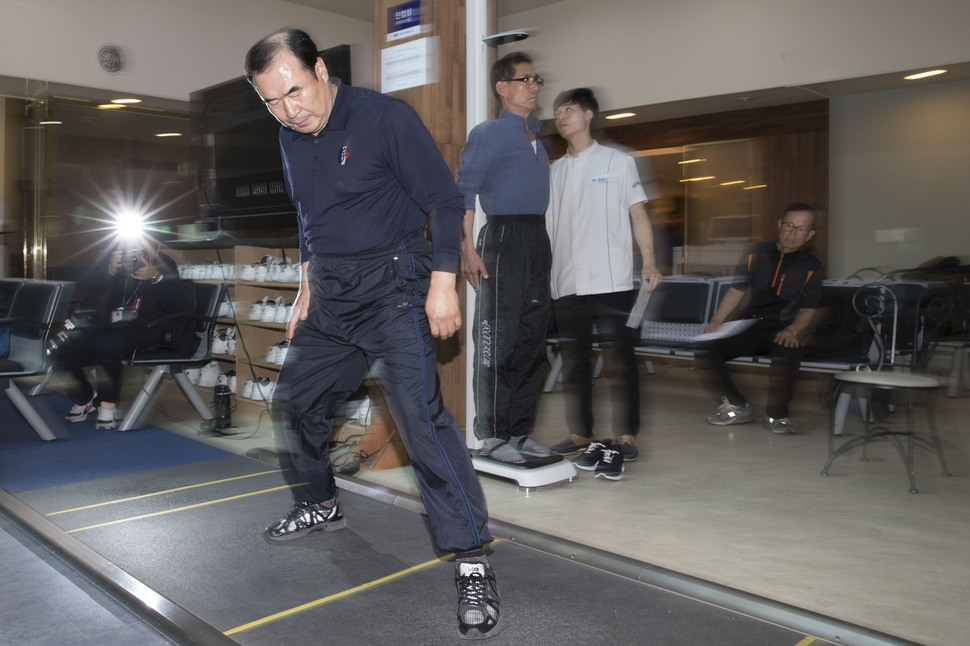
{"x":248,"y":387}
{"x":283,"y":312}
{"x":268,"y":314}
{"x":209,"y":375}
{"x":281,"y":349}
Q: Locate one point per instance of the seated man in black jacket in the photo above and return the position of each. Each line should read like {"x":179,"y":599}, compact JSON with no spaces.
{"x":779,"y":289}
{"x":137,"y":286}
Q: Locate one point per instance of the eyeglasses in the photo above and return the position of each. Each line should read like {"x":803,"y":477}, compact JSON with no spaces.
{"x":789,"y":227}
{"x":530,"y":80}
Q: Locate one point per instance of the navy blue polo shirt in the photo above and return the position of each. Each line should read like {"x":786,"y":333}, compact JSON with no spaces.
{"x":371,"y":178}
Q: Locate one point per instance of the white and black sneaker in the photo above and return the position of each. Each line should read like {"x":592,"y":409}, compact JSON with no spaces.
{"x":80,"y":412}
{"x":106,"y":416}
{"x":478,"y":615}
{"x":306,"y":517}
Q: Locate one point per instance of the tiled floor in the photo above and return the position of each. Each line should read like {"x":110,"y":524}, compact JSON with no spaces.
{"x":747,"y":509}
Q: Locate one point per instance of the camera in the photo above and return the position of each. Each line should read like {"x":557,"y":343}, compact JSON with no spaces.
{"x":133,"y":259}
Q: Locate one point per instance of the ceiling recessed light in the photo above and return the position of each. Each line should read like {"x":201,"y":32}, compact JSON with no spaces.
{"x":125,"y":101}
{"x":737,"y":181}
{"x":750,"y":188}
{"x":691,"y":161}
{"x":621,"y":115}
{"x":923,"y":75}
{"x":49,"y":123}
{"x":697,"y":179}
{"x":168,"y":134}
{"x":110,"y":106}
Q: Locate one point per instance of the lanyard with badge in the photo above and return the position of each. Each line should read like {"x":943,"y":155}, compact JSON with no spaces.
{"x":129,"y":305}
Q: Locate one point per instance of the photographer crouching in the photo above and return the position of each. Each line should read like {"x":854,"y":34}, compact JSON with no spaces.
{"x":135,"y":286}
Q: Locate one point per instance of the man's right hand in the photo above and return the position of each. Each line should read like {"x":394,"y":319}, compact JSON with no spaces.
{"x":473,"y":266}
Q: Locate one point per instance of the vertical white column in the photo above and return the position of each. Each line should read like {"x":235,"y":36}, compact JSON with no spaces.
{"x":476,"y":111}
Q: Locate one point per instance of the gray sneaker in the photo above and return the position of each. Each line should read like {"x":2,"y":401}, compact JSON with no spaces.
{"x":727,"y":414}
{"x":779,"y":425}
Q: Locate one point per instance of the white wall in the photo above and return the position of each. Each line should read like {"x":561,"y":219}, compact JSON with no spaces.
{"x":899,"y":161}
{"x":172,"y":47}
{"x":639,"y":52}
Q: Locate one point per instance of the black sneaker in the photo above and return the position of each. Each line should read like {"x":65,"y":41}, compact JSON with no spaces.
{"x":478,"y":616}
{"x":610,"y":465}
{"x":306,"y":517}
{"x":572,"y":444}
{"x":590,"y":457}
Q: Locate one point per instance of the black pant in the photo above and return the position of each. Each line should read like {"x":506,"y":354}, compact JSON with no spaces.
{"x":511,"y":322}
{"x":756,"y":340}
{"x":367,"y":308}
{"x":575,"y":319}
{"x":97,"y":346}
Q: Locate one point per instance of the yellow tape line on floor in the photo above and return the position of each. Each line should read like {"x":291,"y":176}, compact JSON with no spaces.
{"x":161,"y":493}
{"x":341,"y":595}
{"x":186,"y":508}
{"x":808,"y":641}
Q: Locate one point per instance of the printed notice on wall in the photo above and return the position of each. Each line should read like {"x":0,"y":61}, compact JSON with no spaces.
{"x":404,"y":21}
{"x":410,"y":64}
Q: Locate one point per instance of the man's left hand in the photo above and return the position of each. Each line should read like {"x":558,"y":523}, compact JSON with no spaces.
{"x":441,"y":306}
{"x":786,"y":338}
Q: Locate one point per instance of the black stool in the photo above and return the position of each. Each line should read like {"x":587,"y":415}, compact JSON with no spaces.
{"x":889,"y":381}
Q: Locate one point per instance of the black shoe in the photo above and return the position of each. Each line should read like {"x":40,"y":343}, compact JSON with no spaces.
{"x":572,"y":444}
{"x":590,"y":457}
{"x":478,"y":616}
{"x":306,"y":517}
{"x":610,"y":465}
{"x":628,"y":445}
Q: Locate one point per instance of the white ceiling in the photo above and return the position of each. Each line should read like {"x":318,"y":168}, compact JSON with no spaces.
{"x":364,"y":9}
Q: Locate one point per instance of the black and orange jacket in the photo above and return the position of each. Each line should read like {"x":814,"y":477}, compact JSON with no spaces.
{"x":778,"y":285}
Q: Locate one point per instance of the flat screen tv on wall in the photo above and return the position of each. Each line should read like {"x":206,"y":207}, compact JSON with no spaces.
{"x":236,"y":156}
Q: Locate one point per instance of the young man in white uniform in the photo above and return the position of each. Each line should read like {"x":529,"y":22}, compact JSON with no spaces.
{"x":596,"y":213}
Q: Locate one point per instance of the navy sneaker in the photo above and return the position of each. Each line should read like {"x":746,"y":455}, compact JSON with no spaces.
{"x":306,"y":517}
{"x":478,"y":615}
{"x":610,"y":464}
{"x":590,"y":457}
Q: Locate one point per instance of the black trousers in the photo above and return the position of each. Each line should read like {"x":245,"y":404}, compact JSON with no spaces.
{"x":369,"y":308}
{"x":603,"y":316}
{"x":756,"y":340}
{"x":98,"y":346}
{"x":511,"y":323}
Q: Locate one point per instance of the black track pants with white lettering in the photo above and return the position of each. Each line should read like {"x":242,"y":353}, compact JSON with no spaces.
{"x":510,"y":327}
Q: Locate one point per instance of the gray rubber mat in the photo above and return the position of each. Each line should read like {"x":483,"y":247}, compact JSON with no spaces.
{"x":193,"y":534}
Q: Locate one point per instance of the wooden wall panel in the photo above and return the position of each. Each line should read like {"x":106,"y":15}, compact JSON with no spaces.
{"x":441,"y":106}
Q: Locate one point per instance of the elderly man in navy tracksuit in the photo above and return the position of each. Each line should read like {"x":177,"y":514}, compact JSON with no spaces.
{"x":365,"y":175}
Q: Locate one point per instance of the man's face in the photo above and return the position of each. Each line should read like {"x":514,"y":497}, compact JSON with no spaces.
{"x":572,"y":120}
{"x":296,"y":98}
{"x":794,"y":230}
{"x":519,"y":97}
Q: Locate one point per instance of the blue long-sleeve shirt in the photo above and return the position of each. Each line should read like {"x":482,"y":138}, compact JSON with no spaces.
{"x":371,"y":178}
{"x":501,"y":168}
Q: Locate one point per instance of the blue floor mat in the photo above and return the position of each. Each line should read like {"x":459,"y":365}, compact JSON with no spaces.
{"x":82,"y":452}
